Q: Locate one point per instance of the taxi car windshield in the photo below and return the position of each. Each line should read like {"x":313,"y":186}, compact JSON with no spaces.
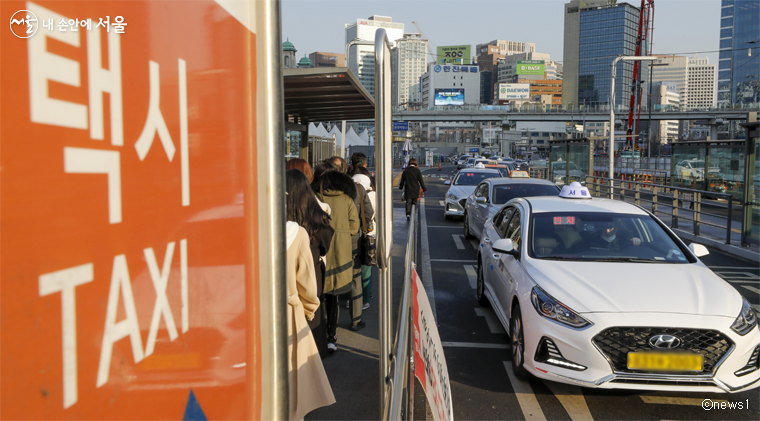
{"x":503,"y":193}
{"x":599,"y":236}
{"x":470,"y":178}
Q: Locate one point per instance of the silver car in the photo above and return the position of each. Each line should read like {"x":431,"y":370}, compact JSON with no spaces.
{"x":461,"y":186}
{"x":491,"y":194}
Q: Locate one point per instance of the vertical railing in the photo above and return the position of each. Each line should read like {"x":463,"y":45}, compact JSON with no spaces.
{"x":384,"y":201}
{"x":401,"y":378}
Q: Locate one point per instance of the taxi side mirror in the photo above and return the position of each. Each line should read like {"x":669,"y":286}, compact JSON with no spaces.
{"x":505,"y":245}
{"x":698,"y":249}
{"x":481,"y":200}
{"x":447,"y":182}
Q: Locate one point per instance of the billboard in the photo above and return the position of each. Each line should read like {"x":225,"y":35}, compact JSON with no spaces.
{"x":454,"y":54}
{"x":449,"y":97}
{"x":530,"y":67}
{"x":509,"y":91}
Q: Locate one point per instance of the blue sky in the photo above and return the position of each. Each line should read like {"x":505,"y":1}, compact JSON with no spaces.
{"x":315,"y":25}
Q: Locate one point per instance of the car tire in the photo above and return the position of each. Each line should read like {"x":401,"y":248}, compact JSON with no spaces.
{"x":481,"y":287}
{"x":517,"y":341}
{"x":467,"y":234}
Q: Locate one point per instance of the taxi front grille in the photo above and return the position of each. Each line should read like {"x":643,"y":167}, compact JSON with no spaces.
{"x":616,"y":342}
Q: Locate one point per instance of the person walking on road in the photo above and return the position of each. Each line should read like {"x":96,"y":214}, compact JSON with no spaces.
{"x":308,"y":385}
{"x":411,"y":182}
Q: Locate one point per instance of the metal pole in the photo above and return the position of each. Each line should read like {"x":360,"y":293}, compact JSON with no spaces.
{"x":611,"y":146}
{"x":384,"y":201}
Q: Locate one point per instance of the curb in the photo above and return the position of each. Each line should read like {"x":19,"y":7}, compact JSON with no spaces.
{"x":736,"y":251}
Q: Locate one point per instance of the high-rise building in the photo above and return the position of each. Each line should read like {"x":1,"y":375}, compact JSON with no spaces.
{"x":700,"y":92}
{"x":596,"y":32}
{"x":361,"y":58}
{"x":507,"y":48}
{"x":320,"y":59}
{"x":668,"y":69}
{"x":408,"y":60}
{"x":665,"y":96}
{"x":738,"y":65}
{"x":487,"y":57}
{"x":509,"y":67}
{"x":450,"y":85}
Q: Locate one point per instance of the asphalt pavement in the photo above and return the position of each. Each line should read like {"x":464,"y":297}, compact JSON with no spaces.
{"x":477,"y":349}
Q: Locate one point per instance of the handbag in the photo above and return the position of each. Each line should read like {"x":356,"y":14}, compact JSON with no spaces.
{"x":368,"y":243}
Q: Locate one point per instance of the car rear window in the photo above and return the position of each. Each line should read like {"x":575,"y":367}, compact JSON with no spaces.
{"x":471,"y":178}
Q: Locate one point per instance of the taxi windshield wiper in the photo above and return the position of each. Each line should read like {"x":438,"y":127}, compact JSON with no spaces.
{"x":557,"y":258}
{"x":630,"y":259}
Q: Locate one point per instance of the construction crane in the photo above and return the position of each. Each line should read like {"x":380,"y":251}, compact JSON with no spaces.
{"x":646,"y":20}
{"x":430,"y":52}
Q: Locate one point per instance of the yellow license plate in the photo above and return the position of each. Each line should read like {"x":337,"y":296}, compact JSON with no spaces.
{"x":657,"y":361}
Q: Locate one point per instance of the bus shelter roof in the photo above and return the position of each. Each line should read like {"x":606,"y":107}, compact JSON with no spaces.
{"x":326,"y":94}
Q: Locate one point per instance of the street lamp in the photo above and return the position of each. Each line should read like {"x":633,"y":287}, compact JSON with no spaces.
{"x":611,"y":147}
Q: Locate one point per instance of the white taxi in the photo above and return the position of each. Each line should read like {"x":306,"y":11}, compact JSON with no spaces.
{"x":600,"y":293}
{"x":462,"y":185}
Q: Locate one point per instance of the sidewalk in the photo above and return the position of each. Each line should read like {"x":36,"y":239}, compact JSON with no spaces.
{"x":354,"y":370}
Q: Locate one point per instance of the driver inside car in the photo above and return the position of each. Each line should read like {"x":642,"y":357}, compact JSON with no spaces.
{"x":607,"y":236}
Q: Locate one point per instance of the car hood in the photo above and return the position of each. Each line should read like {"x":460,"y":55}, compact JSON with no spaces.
{"x":597,"y":287}
{"x":461,"y":191}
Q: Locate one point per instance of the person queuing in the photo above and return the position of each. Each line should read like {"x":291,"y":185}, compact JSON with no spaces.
{"x":308,"y":385}
{"x":337,"y":190}
{"x":362,"y":177}
{"x":302,"y":208}
{"x":304,"y":167}
{"x":361,"y":201}
{"x":411,"y":182}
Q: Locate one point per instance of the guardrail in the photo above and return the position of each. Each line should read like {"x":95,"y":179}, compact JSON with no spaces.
{"x":668,"y":197}
{"x":400,"y":382}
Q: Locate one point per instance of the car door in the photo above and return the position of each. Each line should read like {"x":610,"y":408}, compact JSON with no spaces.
{"x":480,"y":210}
{"x":493,"y":270}
{"x":508,"y":266}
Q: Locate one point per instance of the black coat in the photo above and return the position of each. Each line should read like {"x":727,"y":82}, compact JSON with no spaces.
{"x":320,"y":245}
{"x":411,"y":181}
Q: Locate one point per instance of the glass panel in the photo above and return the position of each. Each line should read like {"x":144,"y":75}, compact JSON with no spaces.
{"x":558,"y":169}
{"x":578,"y":163}
{"x":754,"y":198}
{"x":292,"y":143}
{"x":688,"y":167}
{"x":726,"y":171}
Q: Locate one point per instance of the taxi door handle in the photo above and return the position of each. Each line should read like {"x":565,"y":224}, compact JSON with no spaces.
{"x":486,"y":239}
{"x":497,"y":256}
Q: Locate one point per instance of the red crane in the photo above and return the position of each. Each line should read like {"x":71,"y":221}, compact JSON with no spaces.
{"x":646,"y":19}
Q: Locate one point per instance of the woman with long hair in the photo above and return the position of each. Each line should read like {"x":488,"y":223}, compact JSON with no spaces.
{"x":302,"y":208}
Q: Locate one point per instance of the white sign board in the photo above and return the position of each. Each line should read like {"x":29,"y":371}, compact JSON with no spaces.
{"x":508,"y":91}
{"x":429,"y":159}
{"x":429,"y":361}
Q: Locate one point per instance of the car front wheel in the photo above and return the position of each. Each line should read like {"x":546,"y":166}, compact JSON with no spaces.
{"x":467,"y":227}
{"x":518,"y":344}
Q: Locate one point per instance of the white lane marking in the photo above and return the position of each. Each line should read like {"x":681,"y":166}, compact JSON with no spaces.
{"x":753,"y":289}
{"x":473,"y":345}
{"x":427,"y":272}
{"x":472,"y":275}
{"x":440,"y":202}
{"x":453,"y":261}
{"x":494,"y":325}
{"x":665,"y":400}
{"x":730,"y":275}
{"x":475,"y":244}
{"x":458,"y":241}
{"x":525,"y":397}
{"x":572,"y":399}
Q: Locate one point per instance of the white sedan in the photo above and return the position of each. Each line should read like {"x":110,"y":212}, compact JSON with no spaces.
{"x":600,"y":293}
{"x":461,"y":186}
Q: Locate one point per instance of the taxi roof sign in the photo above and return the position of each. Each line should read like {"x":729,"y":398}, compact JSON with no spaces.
{"x":519,"y":174}
{"x":575,"y":191}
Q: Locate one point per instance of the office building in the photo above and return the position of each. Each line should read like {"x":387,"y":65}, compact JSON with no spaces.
{"x":738,"y":65}
{"x":513,"y":67}
{"x":408,"y":61}
{"x":487,"y":58}
{"x":507,"y":48}
{"x":447,"y":85}
{"x":668,"y":69}
{"x":700,"y":91}
{"x":361,"y":58}
{"x":664,"y":97}
{"x":596,"y":32}
{"x":320,"y":59}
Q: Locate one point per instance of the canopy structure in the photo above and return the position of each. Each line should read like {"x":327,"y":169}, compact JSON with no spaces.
{"x":326,"y":94}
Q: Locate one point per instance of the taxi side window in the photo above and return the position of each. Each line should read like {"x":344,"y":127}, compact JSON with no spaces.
{"x":479,"y":192}
{"x":513,"y":229}
{"x":501,"y":224}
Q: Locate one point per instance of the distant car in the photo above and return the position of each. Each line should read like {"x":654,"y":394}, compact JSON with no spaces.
{"x":559,"y":169}
{"x":600,"y":293}
{"x":490,"y":195}
{"x":470,"y":163}
{"x":695,"y":168}
{"x":462,"y":185}
{"x":504,"y":168}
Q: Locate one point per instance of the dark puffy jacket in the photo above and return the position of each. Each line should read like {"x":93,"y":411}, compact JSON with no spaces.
{"x":411,"y":181}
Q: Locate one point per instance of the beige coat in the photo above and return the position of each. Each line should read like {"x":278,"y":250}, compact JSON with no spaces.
{"x":307,"y":380}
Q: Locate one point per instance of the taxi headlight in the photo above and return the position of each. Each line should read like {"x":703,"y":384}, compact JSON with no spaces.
{"x":552,"y":309}
{"x":747,"y":319}
{"x":452,"y":196}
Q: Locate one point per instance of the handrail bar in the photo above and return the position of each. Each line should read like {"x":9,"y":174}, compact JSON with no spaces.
{"x":402,"y":344}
